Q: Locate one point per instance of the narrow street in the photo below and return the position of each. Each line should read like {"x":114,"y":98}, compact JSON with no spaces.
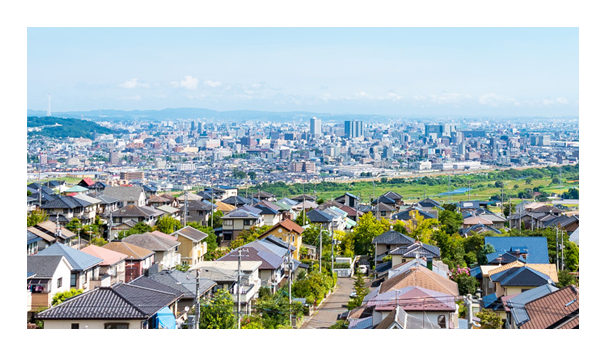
{"x":327,"y":314}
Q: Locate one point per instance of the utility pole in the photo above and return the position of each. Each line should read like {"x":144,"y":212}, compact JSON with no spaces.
{"x":290,"y":259}
{"x":556,"y":249}
{"x":197,"y":311}
{"x":238,"y":288}
{"x":562,"y":248}
{"x":185,"y":206}
{"x":320,"y":247}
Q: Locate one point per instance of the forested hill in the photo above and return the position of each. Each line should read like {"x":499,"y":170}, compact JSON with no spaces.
{"x":65,"y":127}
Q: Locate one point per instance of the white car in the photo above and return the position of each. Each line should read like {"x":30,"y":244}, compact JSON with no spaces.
{"x":353,"y":294}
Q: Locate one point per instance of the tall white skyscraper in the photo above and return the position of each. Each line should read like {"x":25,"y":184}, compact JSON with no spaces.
{"x":315,"y":127}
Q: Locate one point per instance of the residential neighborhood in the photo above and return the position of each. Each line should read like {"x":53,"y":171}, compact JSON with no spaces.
{"x":391,"y":264}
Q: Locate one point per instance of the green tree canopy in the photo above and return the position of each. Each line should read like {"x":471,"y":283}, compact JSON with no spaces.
{"x":218,"y":313}
{"x":367,"y":228}
{"x":35,"y":217}
{"x":167,"y":224}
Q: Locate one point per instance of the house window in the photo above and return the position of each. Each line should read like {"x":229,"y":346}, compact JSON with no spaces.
{"x":59,"y":282}
{"x":228,"y":222}
{"x":441,"y":321}
{"x":116,"y":325}
{"x":73,"y":280}
{"x":247,"y":222}
{"x":75,"y":326}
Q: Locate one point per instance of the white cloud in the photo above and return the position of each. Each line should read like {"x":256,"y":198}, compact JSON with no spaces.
{"x":211,"y":83}
{"x":189,"y":82}
{"x":133,"y":83}
{"x":561,"y":100}
{"x":419,"y":97}
{"x":363,"y":94}
{"x":491,"y":99}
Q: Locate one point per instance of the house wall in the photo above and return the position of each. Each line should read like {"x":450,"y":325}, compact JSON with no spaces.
{"x":191,"y":252}
{"x":43,"y":300}
{"x":168,"y":259}
{"x":284,"y":234}
{"x":88,"y":324}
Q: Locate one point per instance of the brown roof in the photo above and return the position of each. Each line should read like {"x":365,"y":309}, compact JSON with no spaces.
{"x":50,"y":227}
{"x":555,"y":310}
{"x":223,"y":207}
{"x":134,"y":252}
{"x":420,"y":277}
{"x":287,"y":224}
{"x":46,"y":237}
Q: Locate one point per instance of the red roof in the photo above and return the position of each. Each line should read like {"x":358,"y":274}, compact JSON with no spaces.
{"x":88,"y":181}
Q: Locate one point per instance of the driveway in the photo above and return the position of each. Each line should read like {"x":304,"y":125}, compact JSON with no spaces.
{"x":327,"y":314}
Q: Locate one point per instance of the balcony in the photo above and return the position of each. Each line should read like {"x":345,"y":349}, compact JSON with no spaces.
{"x":248,"y":291}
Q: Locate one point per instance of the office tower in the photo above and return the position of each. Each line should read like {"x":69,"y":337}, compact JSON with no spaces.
{"x":114,"y":158}
{"x":353,"y":128}
{"x":315,"y":127}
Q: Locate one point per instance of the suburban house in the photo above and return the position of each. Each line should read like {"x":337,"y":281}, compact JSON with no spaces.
{"x":106,"y":204}
{"x":349,"y":200}
{"x":38,"y":240}
{"x":271,"y":216}
{"x":49,"y":275}
{"x":192,"y":247}
{"x":287,"y":230}
{"x":532,"y":248}
{"x":414,"y":251}
{"x":145,"y":214}
{"x":170,"y":211}
{"x":556,"y":310}
{"x":225,"y":274}
{"x":112,"y":268}
{"x":120,"y":306}
{"x":199,"y":211}
{"x":185,"y":282}
{"x":85,"y":273}
{"x":156,"y":201}
{"x":68,"y":208}
{"x":515,"y":306}
{"x":127,"y":195}
{"x":273,"y":272}
{"x":236,"y":221}
{"x":166,"y":250}
{"x":400,"y":319}
{"x":317,"y":216}
{"x":435,"y":307}
{"x":388,"y":241}
{"x":57,"y":231}
{"x":139,"y":259}
{"x":407,"y":214}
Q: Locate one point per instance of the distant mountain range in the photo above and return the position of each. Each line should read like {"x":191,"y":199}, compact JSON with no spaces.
{"x":52,"y":126}
{"x":196,"y":113}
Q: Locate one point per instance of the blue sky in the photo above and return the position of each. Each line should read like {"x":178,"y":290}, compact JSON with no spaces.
{"x":389,"y":71}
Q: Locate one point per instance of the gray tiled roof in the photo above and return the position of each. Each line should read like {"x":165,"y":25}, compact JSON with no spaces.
{"x":151,"y":242}
{"x":43,"y":266}
{"x":393,"y":237}
{"x":119,"y":301}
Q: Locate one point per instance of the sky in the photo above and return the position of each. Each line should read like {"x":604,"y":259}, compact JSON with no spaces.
{"x":385,"y":71}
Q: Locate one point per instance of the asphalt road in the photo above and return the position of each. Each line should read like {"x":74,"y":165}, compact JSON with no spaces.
{"x":327,"y":314}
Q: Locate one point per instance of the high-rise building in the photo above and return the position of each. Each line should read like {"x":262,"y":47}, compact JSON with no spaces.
{"x":114,"y":160}
{"x":315,"y":127}
{"x":353,"y":128}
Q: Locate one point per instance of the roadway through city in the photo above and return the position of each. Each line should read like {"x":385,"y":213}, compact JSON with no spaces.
{"x":327,"y":314}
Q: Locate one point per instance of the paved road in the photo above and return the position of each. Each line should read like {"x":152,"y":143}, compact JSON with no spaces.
{"x":327,"y":314}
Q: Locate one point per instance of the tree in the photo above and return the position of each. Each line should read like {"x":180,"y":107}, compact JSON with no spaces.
{"x":450,"y":221}
{"x":565,"y":279}
{"x":74,"y":225}
{"x":302,"y":219}
{"x":60,"y":297}
{"x":167,"y":224}
{"x":365,"y":231}
{"x":218,"y":313}
{"x":35,"y":217}
{"x":528,"y":181}
{"x":571,"y":255}
{"x":508,"y":209}
{"x":248,"y":236}
{"x":252,"y":175}
{"x":467,"y":284}
{"x":420,"y":228}
{"x":139,"y":228}
{"x":215,"y":220}
{"x":310,"y":236}
{"x":361,"y":291}
{"x":489,"y":320}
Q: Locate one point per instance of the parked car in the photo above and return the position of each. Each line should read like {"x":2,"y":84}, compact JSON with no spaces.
{"x":363,"y":269}
{"x":353,"y":294}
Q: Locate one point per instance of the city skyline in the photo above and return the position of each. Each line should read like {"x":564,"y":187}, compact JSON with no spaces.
{"x":382,"y":71}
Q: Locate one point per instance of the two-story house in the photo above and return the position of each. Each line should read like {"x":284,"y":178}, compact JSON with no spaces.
{"x":166,"y":250}
{"x":192,"y":247}
{"x":85,"y":268}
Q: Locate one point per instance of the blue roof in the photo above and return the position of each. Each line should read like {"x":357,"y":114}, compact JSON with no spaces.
{"x":490,"y":301}
{"x":79,"y":260}
{"x":317,"y":216}
{"x":505,"y":257}
{"x":521,"y":276}
{"x":476,"y":272}
{"x":538,"y":251}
